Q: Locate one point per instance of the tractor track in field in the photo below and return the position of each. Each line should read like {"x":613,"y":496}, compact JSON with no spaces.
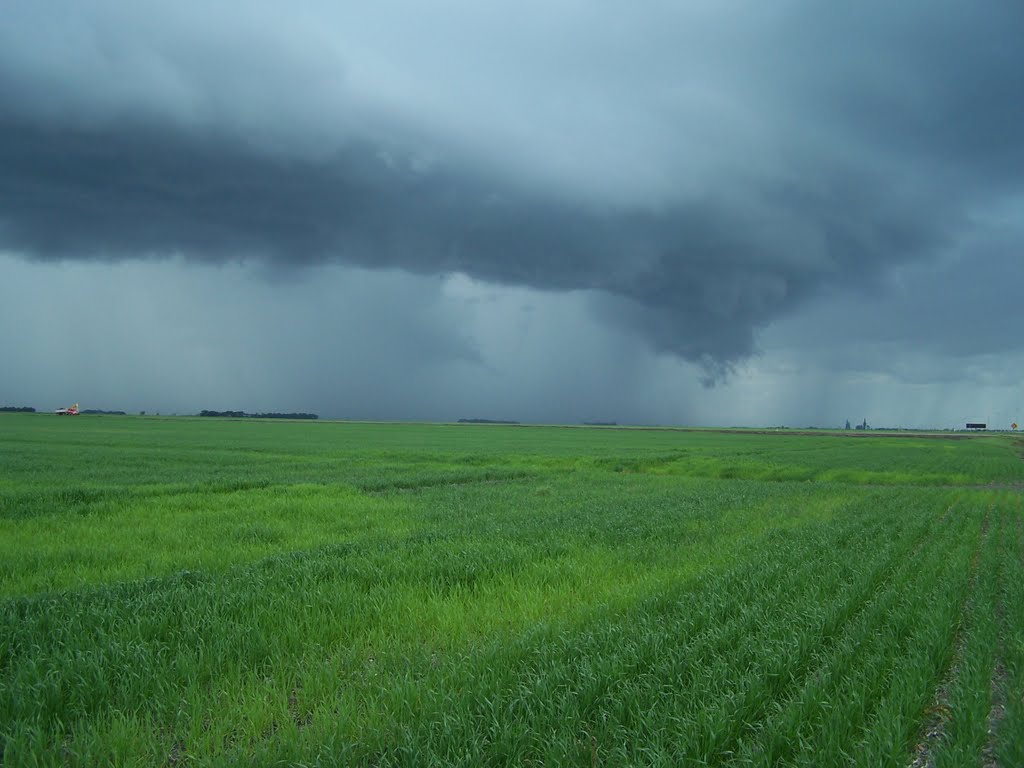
{"x":994,"y":486}
{"x":446,"y":482}
{"x":1000,"y":679}
{"x":934,"y":730}
{"x":998,"y":711}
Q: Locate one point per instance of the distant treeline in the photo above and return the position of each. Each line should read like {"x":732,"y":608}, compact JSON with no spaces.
{"x":600,"y":424}
{"x":485,"y":421}
{"x":102,"y":412}
{"x":244,"y":415}
{"x":13,"y":409}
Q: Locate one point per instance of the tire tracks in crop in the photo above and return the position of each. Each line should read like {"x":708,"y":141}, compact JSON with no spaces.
{"x":877,"y":598}
{"x":718,"y":629}
{"x":1000,"y":676}
{"x":997,"y":714}
{"x":451,"y":481}
{"x":934,"y":729}
{"x":23,"y":505}
{"x":1002,"y":527}
{"x":85,"y":500}
{"x":746,"y":707}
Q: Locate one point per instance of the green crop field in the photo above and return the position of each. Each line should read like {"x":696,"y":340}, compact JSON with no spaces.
{"x":240,"y":592}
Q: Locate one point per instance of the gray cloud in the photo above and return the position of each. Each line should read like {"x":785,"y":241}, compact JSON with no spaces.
{"x":699,"y":171}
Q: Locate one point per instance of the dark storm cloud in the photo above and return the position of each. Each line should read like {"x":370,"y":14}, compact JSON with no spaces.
{"x":795,"y":151}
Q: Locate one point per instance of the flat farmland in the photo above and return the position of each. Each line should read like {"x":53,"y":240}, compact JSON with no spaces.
{"x":245,"y":592}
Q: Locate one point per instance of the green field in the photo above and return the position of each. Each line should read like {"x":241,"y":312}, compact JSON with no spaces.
{"x":241,"y":592}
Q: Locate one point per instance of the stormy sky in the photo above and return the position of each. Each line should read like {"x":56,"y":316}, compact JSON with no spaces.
{"x":693,"y":212}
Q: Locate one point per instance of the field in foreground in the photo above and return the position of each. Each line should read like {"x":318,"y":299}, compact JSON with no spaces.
{"x":204,"y":592}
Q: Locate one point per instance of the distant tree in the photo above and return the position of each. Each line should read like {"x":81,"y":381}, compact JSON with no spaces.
{"x":847,"y":423}
{"x":244,"y":415}
{"x":15,"y":409}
